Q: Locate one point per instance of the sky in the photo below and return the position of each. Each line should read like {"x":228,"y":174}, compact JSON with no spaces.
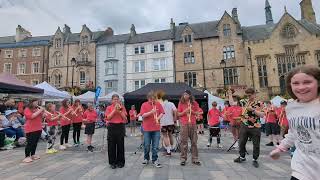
{"x":42,"y":17}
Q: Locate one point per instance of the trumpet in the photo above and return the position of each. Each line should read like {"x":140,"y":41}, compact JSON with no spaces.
{"x":189,"y":113}
{"x":73,"y":112}
{"x":79,"y":108}
{"x":155,"y":115}
{"x":63,"y":116}
{"x":118,"y":107}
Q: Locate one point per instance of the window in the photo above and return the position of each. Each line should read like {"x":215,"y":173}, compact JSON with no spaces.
{"x":160,"y":80}
{"x":8,"y":54}
{"x":158,"y":48}
{"x":318,"y":58}
{"x":56,"y":79}
{"x":84,"y":56}
{"x":7,"y":67}
{"x":36,"y":52}
{"x":262,"y":71}
{"x":139,"y":66}
{"x":35,"y":68}
{"x":187,"y":38}
{"x":57,"y":58}
{"x":230,"y":76}
{"x":288,"y":31}
{"x":139,"y":50}
{"x":228,"y":52}
{"x":111,"y":51}
{"x":82,"y":78}
{"x":111,"y":67}
{"x":226,"y":30}
{"x":21,"y":68}
{"x":84,"y":40}
{"x":111,"y":86}
{"x":22,"y":53}
{"x":35,"y":82}
{"x":159,"y":64}
{"x":139,"y":84}
{"x":189,"y":58}
{"x":58,"y":43}
{"x":190,"y":78}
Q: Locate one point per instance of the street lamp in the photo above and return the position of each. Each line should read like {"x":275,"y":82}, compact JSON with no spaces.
{"x":223,"y":64}
{"x":73,"y":63}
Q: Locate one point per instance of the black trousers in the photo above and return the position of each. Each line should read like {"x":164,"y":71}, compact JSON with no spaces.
{"x":115,"y":137}
{"x":255,"y":135}
{"x":64,"y":134}
{"x":32,"y":142}
{"x":76,"y":132}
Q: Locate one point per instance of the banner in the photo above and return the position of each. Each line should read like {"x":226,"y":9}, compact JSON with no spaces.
{"x":98,"y":91}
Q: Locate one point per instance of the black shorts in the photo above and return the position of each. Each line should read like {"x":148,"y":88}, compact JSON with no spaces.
{"x":169,"y":129}
{"x":214,"y":131}
{"x":272,"y":128}
{"x":89,"y":128}
{"x":200,"y":122}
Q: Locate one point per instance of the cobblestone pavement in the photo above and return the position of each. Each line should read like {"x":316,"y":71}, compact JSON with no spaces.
{"x":77,"y":163}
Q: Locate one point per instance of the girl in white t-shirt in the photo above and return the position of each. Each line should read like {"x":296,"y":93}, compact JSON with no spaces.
{"x":303,"y":114}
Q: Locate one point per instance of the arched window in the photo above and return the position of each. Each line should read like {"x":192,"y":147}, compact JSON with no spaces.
{"x":56,"y":78}
{"x":84,"y":40}
{"x":58,"y":43}
{"x":82,"y":76}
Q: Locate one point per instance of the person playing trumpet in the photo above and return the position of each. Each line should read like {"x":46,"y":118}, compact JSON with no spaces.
{"x":65,"y":121}
{"x":151,"y":111}
{"x":77,"y":121}
{"x":188,"y":109}
{"x":51,"y":118}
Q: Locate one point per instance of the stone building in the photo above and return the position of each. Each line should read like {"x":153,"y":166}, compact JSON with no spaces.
{"x":25,"y":56}
{"x":65,"y":46}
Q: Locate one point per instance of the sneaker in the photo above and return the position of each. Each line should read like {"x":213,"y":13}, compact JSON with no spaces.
{"x":62,"y":147}
{"x":156,"y":164}
{"x":209,"y":144}
{"x":35,"y":157}
{"x":219,"y":146}
{"x":113,"y":166}
{"x":54,"y":150}
{"x":182,"y":163}
{"x":270,"y":144}
{"x":68,"y":145}
{"x":120,"y":165}
{"x":168,"y":154}
{"x":75,"y":145}
{"x":239,"y":160}
{"x":198,"y":163}
{"x":145,"y":162}
{"x":90,"y":149}
{"x":255,"y":163}
{"x":278,"y":143}
{"x":27,"y":160}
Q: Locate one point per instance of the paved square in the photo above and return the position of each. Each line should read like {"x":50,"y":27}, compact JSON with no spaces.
{"x":77,"y":163}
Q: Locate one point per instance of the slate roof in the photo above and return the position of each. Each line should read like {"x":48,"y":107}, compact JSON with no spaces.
{"x":10,"y":42}
{"x":259,"y":32}
{"x":151,"y":36}
{"x":121,"y":38}
{"x":75,"y":37}
{"x":200,"y":30}
{"x":312,"y":28}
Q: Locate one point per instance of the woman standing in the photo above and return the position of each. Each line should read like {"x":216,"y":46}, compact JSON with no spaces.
{"x":33,"y":127}
{"x":116,"y":117}
{"x":90,"y":118}
{"x":65,"y":122}
{"x":303,"y":85}
{"x":77,"y":121}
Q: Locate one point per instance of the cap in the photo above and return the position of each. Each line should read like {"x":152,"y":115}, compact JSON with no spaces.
{"x":8,"y":112}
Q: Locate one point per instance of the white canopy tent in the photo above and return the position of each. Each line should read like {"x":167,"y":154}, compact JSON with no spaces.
{"x":212,"y":98}
{"x":51,"y":92}
{"x":86,"y":97}
{"x":108,"y":97}
{"x":277,"y":100}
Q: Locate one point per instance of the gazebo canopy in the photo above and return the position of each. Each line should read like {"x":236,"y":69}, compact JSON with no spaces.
{"x":11,"y":85}
{"x":108,"y":97}
{"x":51,"y":92}
{"x":86,"y":97}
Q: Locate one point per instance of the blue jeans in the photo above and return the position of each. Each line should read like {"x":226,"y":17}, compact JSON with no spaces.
{"x":151,"y":138}
{"x":10,"y":132}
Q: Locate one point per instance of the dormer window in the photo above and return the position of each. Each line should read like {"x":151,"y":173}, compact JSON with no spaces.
{"x":84,"y":40}
{"x":187,"y":38}
{"x":289,"y":31}
{"x":226,"y":30}
{"x":58,"y":43}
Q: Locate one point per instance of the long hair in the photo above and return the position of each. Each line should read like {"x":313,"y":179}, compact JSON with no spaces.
{"x":65,"y":103}
{"x":183,"y":100}
{"x":49,"y":107}
{"x":30,"y":105}
{"x":309,"y":70}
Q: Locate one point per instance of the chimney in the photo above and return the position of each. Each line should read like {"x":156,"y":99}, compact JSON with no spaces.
{"x":66,"y":29}
{"x":133,"y":30}
{"x":108,"y":31}
{"x":172,"y":27}
{"x":21,"y":34}
{"x":235,"y":14}
{"x":307,"y":12}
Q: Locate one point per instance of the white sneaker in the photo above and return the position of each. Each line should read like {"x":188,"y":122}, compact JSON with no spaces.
{"x":145,"y":162}
{"x":219,"y":146}
{"x":236,"y":145}
{"x":68,"y":145}
{"x":208,"y":145}
{"x":62,"y":147}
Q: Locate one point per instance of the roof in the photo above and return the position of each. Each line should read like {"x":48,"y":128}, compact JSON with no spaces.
{"x":121,"y":38}
{"x":151,"y":36}
{"x":200,"y":30}
{"x":312,"y":28}
{"x":11,"y":84}
{"x":75,"y":37}
{"x":259,"y":32}
{"x":10,"y":42}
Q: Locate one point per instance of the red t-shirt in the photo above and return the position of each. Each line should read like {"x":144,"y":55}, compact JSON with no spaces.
{"x":49,"y":121}
{"x":200,"y":116}
{"x":79,"y":115}
{"x":282,"y":117}
{"x":225,"y":115}
{"x":235,"y":112}
{"x":184,"y":119}
{"x":149,"y":123}
{"x":64,"y":121}
{"x":32,"y":125}
{"x":133,"y":115}
{"x":117,"y":118}
{"x":213,"y":115}
{"x":90,"y":116}
{"x":271,"y":117}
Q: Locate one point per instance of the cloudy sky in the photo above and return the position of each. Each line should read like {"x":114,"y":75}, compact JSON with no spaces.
{"x":42,"y":17}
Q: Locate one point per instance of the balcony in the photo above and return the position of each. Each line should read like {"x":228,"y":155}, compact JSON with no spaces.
{"x":84,"y":63}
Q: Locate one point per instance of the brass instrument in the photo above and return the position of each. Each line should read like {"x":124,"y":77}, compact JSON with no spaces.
{"x":72,"y":111}
{"x":118,"y":107}
{"x":63,"y":116}
{"x":45,"y":111}
{"x":189,"y":113}
{"x":281,"y":117}
{"x":155,"y":115}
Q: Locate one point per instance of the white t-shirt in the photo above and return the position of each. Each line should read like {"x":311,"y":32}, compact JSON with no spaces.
{"x":167,"y":118}
{"x":304,"y":133}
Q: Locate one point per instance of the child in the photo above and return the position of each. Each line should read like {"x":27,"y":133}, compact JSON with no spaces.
{"x":52,"y":120}
{"x":214,"y":124}
{"x":303,"y":85}
{"x":235,"y":111}
{"x":133,"y":119}
{"x":90,"y":118}
{"x":200,"y":121}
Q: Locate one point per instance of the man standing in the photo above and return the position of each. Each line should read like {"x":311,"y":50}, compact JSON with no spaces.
{"x":151,"y":112}
{"x":250,"y":126}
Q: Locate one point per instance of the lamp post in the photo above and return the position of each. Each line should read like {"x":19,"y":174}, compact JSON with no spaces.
{"x":73,"y":63}
{"x":223,"y":64}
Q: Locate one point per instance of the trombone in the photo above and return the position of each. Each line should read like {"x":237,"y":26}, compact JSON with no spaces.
{"x":189,"y":113}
